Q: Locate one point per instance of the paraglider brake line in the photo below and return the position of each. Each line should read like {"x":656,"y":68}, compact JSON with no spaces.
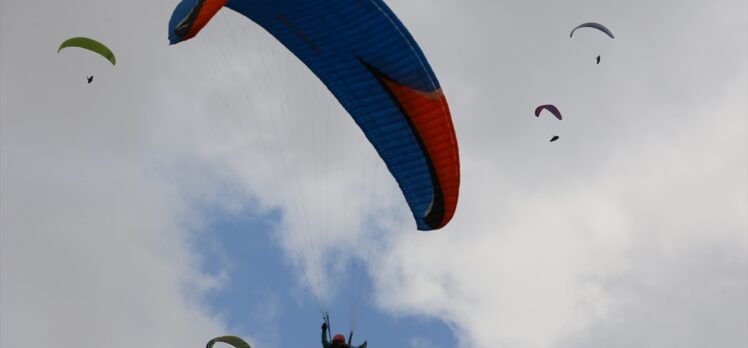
{"x":350,"y":338}
{"x":326,"y":317}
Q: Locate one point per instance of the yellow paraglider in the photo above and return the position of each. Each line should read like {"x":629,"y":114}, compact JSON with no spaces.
{"x":232,"y":340}
{"x":91,"y":45}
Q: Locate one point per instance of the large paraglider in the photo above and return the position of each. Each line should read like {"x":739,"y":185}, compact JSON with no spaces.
{"x":91,"y":45}
{"x":551,"y":108}
{"x":370,"y":62}
{"x":597,"y":26}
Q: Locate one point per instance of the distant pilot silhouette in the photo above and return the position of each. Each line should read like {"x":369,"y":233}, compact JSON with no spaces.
{"x":598,"y":59}
{"x":90,"y":79}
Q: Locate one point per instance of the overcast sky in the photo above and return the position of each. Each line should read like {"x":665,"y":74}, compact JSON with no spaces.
{"x":216,"y":187}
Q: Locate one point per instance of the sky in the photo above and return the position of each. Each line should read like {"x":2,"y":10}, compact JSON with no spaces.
{"x":216,"y":187}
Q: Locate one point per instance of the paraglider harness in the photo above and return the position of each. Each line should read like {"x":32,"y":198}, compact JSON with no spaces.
{"x":326,"y":318}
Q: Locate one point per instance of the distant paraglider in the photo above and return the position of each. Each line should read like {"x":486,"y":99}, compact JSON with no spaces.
{"x":551,"y":108}
{"x":90,"y":79}
{"x":597,"y":26}
{"x":91,"y":45}
{"x":232,"y":340}
{"x":598,"y":59}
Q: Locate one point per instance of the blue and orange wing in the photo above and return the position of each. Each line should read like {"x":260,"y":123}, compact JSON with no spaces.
{"x":190,"y":17}
{"x":371,"y":63}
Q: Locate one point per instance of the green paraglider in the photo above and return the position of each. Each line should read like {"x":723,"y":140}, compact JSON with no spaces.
{"x":232,"y":340}
{"x":91,"y":45}
{"x":594,"y":25}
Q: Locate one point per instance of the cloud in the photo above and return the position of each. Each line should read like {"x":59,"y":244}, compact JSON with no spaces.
{"x":420,"y":342}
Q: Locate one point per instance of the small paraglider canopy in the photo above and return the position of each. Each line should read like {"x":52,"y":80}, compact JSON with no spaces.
{"x":593,"y":25}
{"x":555,"y":137}
{"x":232,"y":340}
{"x":91,"y":45}
{"x":551,"y":108}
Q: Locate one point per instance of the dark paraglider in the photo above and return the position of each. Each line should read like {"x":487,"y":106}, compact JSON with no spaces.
{"x":598,"y":59}
{"x":90,"y":79}
{"x":551,"y":108}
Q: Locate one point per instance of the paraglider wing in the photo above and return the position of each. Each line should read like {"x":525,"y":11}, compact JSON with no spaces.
{"x":551,"y":108}
{"x":597,"y":26}
{"x":190,"y":17}
{"x":91,"y":45}
{"x":367,"y":58}
{"x":554,"y":138}
{"x":232,"y":340}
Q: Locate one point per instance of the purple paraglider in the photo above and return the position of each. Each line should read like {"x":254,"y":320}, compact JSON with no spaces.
{"x":551,"y":108}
